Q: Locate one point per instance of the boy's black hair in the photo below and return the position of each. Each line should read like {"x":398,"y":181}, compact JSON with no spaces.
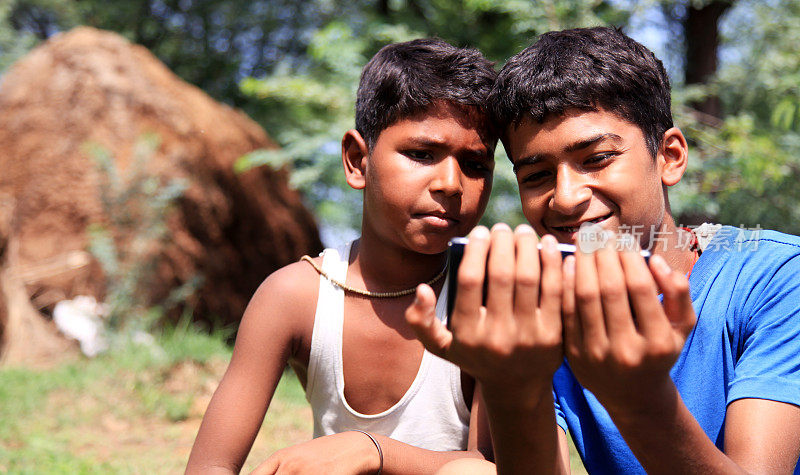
{"x":585,"y":69}
{"x":403,"y":79}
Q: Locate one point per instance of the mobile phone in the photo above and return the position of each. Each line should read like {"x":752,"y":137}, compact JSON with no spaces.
{"x":455,"y":252}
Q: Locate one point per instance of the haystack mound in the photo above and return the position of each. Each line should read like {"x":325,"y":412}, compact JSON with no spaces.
{"x":93,"y":87}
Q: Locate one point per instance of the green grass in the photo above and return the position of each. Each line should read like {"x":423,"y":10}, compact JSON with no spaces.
{"x":575,"y":462}
{"x":88,"y":416}
{"x":135,"y":409}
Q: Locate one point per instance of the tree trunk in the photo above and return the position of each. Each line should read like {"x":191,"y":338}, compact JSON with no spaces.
{"x":702,"y":41}
{"x":27,"y":338}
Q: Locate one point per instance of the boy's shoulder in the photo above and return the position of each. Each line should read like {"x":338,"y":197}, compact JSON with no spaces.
{"x":750,"y":268}
{"x":754,"y":247}
{"x":290,"y":294}
{"x":293,"y":279}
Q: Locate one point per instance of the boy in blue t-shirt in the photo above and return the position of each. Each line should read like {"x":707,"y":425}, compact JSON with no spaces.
{"x":687,"y":363}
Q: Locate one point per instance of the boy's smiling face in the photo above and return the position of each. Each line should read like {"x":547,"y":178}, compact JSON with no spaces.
{"x":588,"y":167}
{"x":428,"y":178}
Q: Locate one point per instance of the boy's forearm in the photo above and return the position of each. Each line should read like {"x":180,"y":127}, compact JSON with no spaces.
{"x":355,"y":452}
{"x":665,"y":437}
{"x":209,"y":470}
{"x":402,"y":458}
{"x":524,"y":431}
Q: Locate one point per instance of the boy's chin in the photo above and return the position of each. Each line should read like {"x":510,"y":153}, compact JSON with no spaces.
{"x":431,"y":245}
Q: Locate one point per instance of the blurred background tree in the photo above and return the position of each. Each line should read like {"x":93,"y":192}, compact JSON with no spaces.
{"x":294,"y":66}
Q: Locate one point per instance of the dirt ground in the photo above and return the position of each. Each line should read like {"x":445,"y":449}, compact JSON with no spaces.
{"x":288,"y":422}
{"x":136,"y":421}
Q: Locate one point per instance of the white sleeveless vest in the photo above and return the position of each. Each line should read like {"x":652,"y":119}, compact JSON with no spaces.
{"x":431,"y":414}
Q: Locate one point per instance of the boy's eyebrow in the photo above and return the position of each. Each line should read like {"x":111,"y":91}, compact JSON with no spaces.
{"x":425,"y":141}
{"x":531,"y":160}
{"x":433,"y":143}
{"x":573,"y":147}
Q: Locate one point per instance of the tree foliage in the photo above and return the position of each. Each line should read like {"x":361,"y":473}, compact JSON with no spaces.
{"x":746,"y":166}
{"x":316,"y":101}
{"x":294,"y":67}
{"x":209,"y":43}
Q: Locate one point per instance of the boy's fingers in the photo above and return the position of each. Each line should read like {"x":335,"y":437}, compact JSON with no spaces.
{"x":552,"y":282}
{"x":677,"y":299}
{"x":500,"y":288}
{"x":471,"y":274}
{"x":613,"y":291}
{"x":569,"y":316}
{"x":421,"y":317}
{"x":267,"y":467}
{"x":527,"y":272}
{"x":642,"y":292}
{"x":587,"y":301}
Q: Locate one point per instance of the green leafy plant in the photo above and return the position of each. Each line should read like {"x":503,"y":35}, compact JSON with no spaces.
{"x":136,"y":205}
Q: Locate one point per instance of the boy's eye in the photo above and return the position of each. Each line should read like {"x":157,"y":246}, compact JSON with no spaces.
{"x":600,"y":158}
{"x":477,"y":166}
{"x":534,"y":178}
{"x":419,"y":155}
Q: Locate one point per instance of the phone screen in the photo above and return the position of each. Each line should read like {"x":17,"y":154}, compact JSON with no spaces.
{"x":455,"y":252}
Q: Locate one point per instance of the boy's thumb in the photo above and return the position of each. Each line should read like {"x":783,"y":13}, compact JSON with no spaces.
{"x":421,"y":317}
{"x":678,"y":305}
{"x":677,"y":300}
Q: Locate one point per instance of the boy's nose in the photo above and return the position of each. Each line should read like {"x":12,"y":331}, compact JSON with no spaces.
{"x":447,"y":177}
{"x":571,"y":191}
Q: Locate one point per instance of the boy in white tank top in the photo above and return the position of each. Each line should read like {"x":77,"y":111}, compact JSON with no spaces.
{"x":423,"y":154}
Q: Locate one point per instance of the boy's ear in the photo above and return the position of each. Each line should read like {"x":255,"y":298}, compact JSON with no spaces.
{"x":354,"y":159}
{"x":674,"y":156}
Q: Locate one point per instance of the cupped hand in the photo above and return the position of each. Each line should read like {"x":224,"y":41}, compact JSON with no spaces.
{"x":620,"y":341}
{"x":514,"y":340}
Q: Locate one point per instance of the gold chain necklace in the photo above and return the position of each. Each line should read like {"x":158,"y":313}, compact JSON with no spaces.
{"x":367,"y":293}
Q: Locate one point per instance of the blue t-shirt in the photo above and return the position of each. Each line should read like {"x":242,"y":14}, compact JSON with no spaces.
{"x":745,"y":288}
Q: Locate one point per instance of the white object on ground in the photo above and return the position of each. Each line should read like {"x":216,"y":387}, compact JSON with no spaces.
{"x":81,"y":319}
